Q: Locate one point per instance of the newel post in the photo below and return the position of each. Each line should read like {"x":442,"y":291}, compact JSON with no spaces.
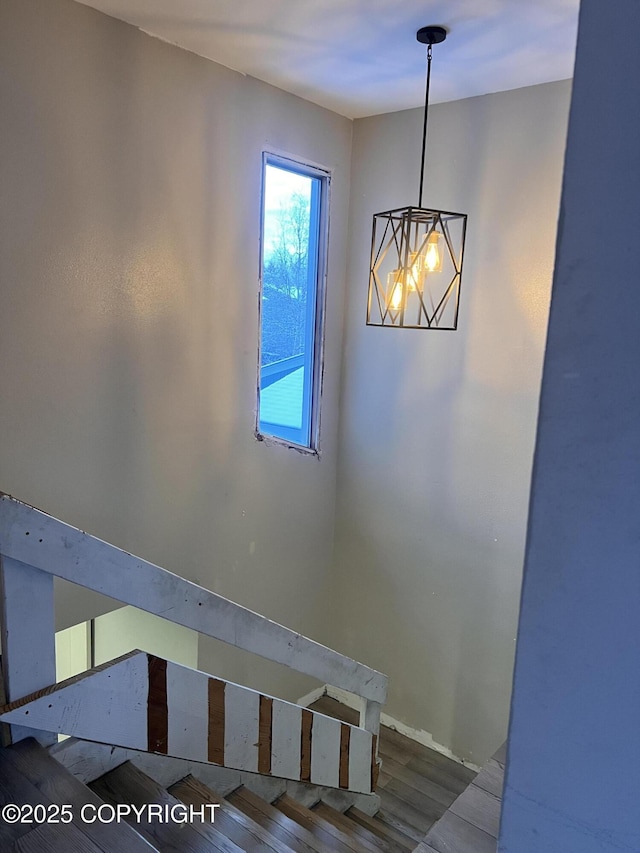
{"x":370,"y":720}
{"x":28,"y":636}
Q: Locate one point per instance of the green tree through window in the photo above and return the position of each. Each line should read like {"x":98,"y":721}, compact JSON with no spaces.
{"x":285,"y":282}
{"x":293,"y":247}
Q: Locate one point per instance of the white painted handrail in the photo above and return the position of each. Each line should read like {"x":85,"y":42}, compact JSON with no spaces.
{"x":43,"y":543}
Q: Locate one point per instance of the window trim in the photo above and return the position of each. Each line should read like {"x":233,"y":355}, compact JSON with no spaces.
{"x":312,"y":170}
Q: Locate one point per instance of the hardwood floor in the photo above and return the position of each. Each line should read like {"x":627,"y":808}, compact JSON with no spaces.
{"x":429,"y":804}
{"x":472,"y":823}
{"x":128,"y":785}
{"x":416,"y":785}
{"x":29,"y":775}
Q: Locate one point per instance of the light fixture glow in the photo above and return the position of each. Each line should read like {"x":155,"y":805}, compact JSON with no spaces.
{"x":432,"y":256}
{"x":416,"y":253}
{"x":394,"y":289}
{"x":416,"y":271}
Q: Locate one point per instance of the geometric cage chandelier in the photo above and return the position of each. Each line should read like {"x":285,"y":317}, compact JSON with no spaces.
{"x":416,"y":253}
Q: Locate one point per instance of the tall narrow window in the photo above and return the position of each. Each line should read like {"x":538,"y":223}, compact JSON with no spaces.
{"x":294,"y":202}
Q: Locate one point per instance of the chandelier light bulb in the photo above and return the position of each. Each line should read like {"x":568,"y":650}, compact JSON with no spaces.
{"x":395,"y":289}
{"x":433,"y":256}
{"x":416,"y":265}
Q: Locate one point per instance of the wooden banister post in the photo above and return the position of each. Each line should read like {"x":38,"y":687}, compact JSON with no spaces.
{"x":28,"y":636}
{"x":370,"y":720}
{"x":370,"y":716}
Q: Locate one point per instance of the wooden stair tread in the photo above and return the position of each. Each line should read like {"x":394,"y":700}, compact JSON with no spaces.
{"x":443,"y":778}
{"x":417,"y":750}
{"x":491,"y":778}
{"x":453,"y":834}
{"x":472,"y":823}
{"x":390,"y":737}
{"x":367,"y":839}
{"x":408,"y":819}
{"x":427,"y":807}
{"x":56,"y":785}
{"x":231,"y":821}
{"x":435,"y":774}
{"x":417,"y":785}
{"x":408,"y":830}
{"x":392,"y":769}
{"x":15,"y":788}
{"x":277,"y":823}
{"x":446,"y":773}
{"x":381,"y":829}
{"x":322,"y":829}
{"x":57,"y":838}
{"x":480,"y":808}
{"x":127,"y":784}
{"x":28,"y":775}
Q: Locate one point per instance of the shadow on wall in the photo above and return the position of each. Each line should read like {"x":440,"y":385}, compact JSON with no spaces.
{"x":131,"y":357}
{"x":429,"y":619}
{"x":439,"y":428}
{"x":114,"y":185}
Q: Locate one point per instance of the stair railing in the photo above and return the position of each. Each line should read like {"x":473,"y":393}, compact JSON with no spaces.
{"x":36,"y":547}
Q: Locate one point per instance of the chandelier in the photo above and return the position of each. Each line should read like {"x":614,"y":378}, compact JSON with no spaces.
{"x":416,"y":252}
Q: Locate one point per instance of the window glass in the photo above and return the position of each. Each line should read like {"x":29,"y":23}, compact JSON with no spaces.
{"x":290,"y":300}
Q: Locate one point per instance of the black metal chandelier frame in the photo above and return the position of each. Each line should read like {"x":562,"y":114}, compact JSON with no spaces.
{"x":417,"y":294}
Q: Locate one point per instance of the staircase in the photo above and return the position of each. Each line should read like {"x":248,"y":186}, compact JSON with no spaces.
{"x":163,"y":757}
{"x":416,"y":787}
{"x":242,"y":820}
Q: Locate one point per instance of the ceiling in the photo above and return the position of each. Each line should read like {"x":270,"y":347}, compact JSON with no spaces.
{"x":360,"y":57}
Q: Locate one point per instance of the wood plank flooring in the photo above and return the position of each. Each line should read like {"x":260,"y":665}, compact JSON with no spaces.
{"x":368,"y":841}
{"x":290,"y":832}
{"x":28,"y":775}
{"x":326,"y":832}
{"x":429,"y":804}
{"x":416,"y":785}
{"x":231,"y":821}
{"x":472,"y":823}
{"x":127,"y":784}
{"x":380,"y":828}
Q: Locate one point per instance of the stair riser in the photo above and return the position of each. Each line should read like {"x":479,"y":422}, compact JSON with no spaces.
{"x":89,"y":761}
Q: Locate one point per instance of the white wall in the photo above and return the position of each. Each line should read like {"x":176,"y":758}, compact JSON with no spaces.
{"x":437,"y":428}
{"x":73,"y":653}
{"x":129,"y":226}
{"x":573,"y":774}
{"x":127,"y":628}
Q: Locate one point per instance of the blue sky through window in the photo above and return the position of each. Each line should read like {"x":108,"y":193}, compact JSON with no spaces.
{"x":290,"y":263}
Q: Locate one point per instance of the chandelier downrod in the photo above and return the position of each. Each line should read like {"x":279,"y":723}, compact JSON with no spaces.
{"x":428,"y":36}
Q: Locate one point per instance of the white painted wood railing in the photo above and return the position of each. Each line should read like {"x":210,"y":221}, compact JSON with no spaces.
{"x":35,"y":547}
